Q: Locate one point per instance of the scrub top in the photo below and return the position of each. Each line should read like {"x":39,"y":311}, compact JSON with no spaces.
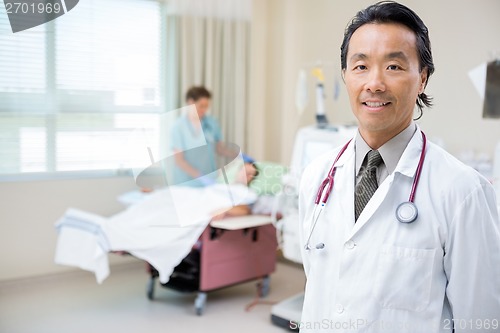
{"x":186,"y":138}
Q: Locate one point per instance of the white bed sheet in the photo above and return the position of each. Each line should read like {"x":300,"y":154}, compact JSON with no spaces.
{"x":160,"y":229}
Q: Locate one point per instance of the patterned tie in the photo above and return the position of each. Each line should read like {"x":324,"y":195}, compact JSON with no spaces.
{"x":368,"y":183}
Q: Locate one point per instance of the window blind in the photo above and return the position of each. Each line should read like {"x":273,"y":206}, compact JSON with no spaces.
{"x":73,"y":91}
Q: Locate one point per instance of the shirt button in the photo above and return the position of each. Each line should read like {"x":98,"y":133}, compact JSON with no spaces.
{"x":350,"y":244}
{"x":340,"y":308}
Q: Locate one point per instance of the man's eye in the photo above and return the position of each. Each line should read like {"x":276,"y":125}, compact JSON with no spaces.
{"x":360,"y":67}
{"x":393,"y":67}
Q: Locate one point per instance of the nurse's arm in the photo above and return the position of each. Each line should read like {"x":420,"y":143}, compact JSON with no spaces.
{"x":224,"y":150}
{"x":472,"y":261}
{"x":184,"y":165}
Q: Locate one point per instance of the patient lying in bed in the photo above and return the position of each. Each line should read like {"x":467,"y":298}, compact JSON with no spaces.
{"x":161,"y":228}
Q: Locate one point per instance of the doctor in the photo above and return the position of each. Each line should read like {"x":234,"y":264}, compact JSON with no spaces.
{"x":432,"y":265}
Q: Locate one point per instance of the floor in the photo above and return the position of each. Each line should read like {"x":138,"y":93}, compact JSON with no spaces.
{"x":75,"y":303}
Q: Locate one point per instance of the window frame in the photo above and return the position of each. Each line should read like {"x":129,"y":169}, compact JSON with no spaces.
{"x":51,"y":121}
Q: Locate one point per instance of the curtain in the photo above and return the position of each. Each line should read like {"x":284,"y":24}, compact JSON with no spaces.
{"x":208,"y":43}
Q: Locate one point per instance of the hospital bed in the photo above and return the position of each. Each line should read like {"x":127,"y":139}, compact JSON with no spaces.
{"x":229,"y":251}
{"x":232,"y":251}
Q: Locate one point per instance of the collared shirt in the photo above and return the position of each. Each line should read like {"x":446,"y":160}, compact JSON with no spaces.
{"x":390,"y":151}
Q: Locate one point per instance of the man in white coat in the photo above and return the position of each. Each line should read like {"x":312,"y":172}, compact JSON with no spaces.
{"x":367,"y":269}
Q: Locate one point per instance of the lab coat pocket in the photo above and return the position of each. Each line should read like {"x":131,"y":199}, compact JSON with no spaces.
{"x":404,"y":278}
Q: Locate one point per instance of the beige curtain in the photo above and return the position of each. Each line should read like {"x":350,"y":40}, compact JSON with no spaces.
{"x":208,"y":43}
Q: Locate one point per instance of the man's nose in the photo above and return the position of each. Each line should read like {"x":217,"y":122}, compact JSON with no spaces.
{"x":375,"y":81}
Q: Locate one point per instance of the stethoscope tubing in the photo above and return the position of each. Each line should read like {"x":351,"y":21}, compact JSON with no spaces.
{"x":322,"y":195}
{"x":419,"y":169}
{"x":330,"y":179}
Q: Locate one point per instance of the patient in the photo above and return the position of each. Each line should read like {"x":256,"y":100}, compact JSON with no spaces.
{"x":244,"y":176}
{"x":161,"y":228}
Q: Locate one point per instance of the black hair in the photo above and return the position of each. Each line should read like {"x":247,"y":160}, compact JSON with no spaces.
{"x":257,"y":171}
{"x":197,"y":92}
{"x":393,"y":12}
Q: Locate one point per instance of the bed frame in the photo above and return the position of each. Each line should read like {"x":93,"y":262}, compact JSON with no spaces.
{"x":232,"y":251}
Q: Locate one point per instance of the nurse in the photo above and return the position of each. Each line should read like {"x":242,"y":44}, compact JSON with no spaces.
{"x":371,"y":267}
{"x":196,"y":129}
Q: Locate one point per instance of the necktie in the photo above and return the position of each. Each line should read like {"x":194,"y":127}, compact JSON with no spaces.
{"x":368,"y":183}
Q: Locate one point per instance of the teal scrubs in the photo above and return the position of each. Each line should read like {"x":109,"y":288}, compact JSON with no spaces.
{"x":185,"y":138}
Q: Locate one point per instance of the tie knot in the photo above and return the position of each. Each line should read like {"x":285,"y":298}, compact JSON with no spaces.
{"x":374,"y":159}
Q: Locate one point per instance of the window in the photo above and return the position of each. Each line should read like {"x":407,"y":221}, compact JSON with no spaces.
{"x":74,"y":91}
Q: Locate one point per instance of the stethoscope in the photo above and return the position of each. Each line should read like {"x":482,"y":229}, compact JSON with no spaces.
{"x":406,"y":212}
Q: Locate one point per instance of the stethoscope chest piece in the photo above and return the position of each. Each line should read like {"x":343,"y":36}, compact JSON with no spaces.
{"x":406,"y":212}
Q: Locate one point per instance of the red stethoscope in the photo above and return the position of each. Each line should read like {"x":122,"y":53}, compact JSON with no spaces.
{"x":406,"y":212}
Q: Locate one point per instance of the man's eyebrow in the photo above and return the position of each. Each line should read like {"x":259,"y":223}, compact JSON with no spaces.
{"x":397,"y":55}
{"x":358,"y":56}
{"x":393,"y":55}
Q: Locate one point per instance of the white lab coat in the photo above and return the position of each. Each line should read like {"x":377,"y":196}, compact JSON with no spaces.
{"x":380,"y":275}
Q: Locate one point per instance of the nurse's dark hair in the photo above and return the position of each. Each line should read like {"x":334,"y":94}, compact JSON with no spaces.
{"x":393,"y":12}
{"x":197,"y":92}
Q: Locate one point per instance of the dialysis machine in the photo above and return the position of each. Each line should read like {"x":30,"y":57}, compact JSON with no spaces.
{"x":310,"y":142}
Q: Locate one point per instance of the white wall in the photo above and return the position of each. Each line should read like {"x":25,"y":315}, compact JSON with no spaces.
{"x":301,"y":32}
{"x":29,"y":210}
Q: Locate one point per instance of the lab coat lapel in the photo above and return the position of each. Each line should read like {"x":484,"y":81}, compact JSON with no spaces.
{"x":372,"y":205}
{"x":344,"y":190}
{"x":407,"y":166}
{"x":408,"y":162}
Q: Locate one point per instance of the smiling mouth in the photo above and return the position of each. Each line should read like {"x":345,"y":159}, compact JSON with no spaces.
{"x":375,"y":104}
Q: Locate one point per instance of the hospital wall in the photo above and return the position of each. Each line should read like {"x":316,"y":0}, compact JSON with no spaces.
{"x":297,"y":34}
{"x":29,"y":210}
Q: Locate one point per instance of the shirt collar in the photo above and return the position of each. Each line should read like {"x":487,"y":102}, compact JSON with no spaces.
{"x":391,"y":151}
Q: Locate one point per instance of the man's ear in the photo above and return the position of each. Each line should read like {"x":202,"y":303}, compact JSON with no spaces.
{"x":423,"y":80}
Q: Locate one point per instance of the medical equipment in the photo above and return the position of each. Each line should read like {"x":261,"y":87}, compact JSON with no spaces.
{"x":321,"y":119}
{"x":301,"y":98}
{"x":310,"y":142}
{"x":406,"y":212}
